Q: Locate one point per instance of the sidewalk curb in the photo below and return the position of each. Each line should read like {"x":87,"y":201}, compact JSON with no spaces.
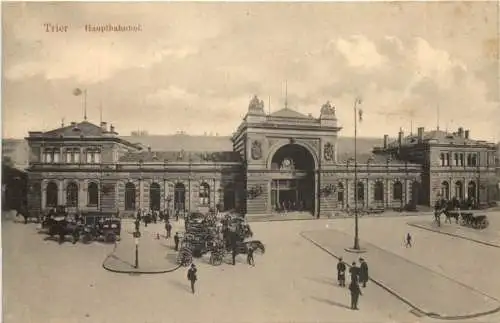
{"x":251,"y":219}
{"x":404,"y":299}
{"x":134,"y":271}
{"x":453,"y":235}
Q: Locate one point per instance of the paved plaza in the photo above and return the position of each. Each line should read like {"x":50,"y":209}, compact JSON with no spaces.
{"x":294,"y":281}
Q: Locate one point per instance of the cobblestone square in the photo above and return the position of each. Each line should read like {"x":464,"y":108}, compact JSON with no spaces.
{"x":294,"y":281}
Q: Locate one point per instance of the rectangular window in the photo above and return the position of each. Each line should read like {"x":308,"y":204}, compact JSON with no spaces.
{"x":68,"y":156}
{"x":56,"y":157}
{"x":89,"y":156}
{"x":461,"y":159}
{"x":77,"y":156}
{"x":97,"y":157}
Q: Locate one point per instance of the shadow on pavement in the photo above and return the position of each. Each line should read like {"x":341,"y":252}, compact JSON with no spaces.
{"x":184,"y":287}
{"x":330,"y":302}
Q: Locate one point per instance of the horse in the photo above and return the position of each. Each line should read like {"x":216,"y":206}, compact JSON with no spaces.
{"x":26,"y":214}
{"x":62,"y":228}
{"x":243,"y":247}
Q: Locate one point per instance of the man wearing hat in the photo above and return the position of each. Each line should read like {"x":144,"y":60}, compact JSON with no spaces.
{"x":192,"y":276}
{"x":354,"y":271}
{"x":341,"y":272}
{"x":363,"y":272}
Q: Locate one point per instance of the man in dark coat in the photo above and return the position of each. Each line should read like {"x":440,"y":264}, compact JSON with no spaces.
{"x":354,"y":271}
{"x":363,"y":272}
{"x":355,"y":292}
{"x":408,"y":240}
{"x":192,"y":276}
{"x":176,"y":241}
{"x":137,"y":224}
{"x":341,"y":272}
{"x":168,"y":228}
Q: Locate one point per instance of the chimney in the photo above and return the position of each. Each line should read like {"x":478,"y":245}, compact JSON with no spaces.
{"x":104,"y":126}
{"x":461,"y":132}
{"x":467,"y":133}
{"x":111,"y":128}
{"x":400,"y":136}
{"x":386,"y":139}
{"x":420,"y":134}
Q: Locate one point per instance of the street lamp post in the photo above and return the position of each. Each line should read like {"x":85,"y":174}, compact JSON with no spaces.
{"x":137,"y":235}
{"x":356,"y":248}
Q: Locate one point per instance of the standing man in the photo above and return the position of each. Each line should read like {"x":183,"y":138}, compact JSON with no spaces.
{"x":192,"y":276}
{"x":355,"y":292}
{"x":354,"y":271}
{"x":168,"y":227}
{"x":408,"y":240}
{"x":137,"y":223}
{"x":363,"y":272}
{"x":341,"y":272}
{"x":176,"y":241}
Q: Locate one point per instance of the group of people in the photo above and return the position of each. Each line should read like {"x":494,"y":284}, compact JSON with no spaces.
{"x":359,"y":275}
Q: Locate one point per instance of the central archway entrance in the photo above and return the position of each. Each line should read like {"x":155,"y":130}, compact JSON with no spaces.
{"x":292,"y":186}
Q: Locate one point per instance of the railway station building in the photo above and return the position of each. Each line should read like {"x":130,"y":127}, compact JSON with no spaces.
{"x":282,"y":160}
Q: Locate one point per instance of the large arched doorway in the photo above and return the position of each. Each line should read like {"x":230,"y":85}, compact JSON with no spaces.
{"x":72,"y":195}
{"x":229,"y":197}
{"x":180,"y":197}
{"x":292,"y":188}
{"x":154,"y":196}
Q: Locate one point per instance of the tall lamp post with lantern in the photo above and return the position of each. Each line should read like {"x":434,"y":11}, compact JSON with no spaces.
{"x":358,"y":113}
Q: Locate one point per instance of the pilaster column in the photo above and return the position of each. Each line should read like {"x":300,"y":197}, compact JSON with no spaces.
{"x":43,"y":187}
{"x":61,"y":199}
{"x":82,"y":194}
{"x":316,"y":195}
{"x":141,"y":193}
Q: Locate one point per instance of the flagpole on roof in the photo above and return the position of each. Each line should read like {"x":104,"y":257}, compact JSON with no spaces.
{"x":85,"y":104}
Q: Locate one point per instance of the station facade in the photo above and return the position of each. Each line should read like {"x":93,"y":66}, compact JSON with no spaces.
{"x":279,"y":161}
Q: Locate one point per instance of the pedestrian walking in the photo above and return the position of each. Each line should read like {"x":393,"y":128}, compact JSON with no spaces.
{"x":341,"y":267}
{"x":192,"y":276}
{"x":355,"y":292}
{"x":408,"y":240}
{"x":176,"y":241}
{"x":177,"y":215}
{"x":250,"y":260}
{"x":354,"y":271}
{"x":137,"y":224}
{"x":234,"y":253}
{"x":363,"y":272}
{"x":168,"y":228}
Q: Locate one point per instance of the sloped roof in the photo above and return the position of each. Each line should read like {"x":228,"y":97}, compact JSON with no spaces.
{"x":289,"y":113}
{"x":441,"y":137}
{"x":181,"y":156}
{"x":183,"y":141}
{"x":84,"y":128}
{"x":364,"y":157}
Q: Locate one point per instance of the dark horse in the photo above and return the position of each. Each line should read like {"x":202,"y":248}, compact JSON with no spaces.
{"x":27,"y":215}
{"x":62,"y":228}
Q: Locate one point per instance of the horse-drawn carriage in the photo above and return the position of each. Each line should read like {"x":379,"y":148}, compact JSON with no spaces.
{"x":106,"y":228}
{"x":473,"y":220}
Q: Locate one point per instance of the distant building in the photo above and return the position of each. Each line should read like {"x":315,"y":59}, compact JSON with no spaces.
{"x":276,"y":162}
{"x":453,"y":164}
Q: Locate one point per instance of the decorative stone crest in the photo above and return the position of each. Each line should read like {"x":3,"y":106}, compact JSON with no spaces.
{"x":256,"y":150}
{"x":329,"y":151}
{"x":327,"y":108}
{"x":287,"y":164}
{"x":256,"y":104}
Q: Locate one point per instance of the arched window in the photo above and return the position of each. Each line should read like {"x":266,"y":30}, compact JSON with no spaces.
{"x":204,"y":194}
{"x":51,"y":194}
{"x":397,"y":191}
{"x":378,"y":194}
{"x":93,"y":194}
{"x":340,"y":193}
{"x":130,"y":196}
{"x":445,"y":190}
{"x":471,"y":190}
{"x":360,"y":191}
{"x":459,"y":190}
{"x":154,"y":196}
{"x":72,"y":195}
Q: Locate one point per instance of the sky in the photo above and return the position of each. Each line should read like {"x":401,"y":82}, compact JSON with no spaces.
{"x":194,"y":67}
